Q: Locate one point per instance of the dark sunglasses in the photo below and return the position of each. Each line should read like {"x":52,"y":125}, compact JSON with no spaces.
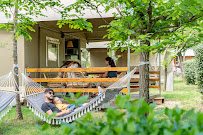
{"x":51,"y":93}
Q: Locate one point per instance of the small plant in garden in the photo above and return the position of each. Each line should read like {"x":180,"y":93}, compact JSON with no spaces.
{"x":131,"y":118}
{"x":199,"y":65}
{"x":190,"y":71}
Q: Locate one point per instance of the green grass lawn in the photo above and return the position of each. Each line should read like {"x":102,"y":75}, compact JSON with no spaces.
{"x":10,"y":126}
{"x":185,"y":96}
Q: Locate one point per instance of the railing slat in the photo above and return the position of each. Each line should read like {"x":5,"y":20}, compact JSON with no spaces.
{"x":76,"y":69}
{"x":81,"y":90}
{"x":84,"y":79}
{"x":94,"y":70}
{"x":151,"y":86}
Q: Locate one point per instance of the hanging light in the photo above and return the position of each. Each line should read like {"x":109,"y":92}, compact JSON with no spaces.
{"x":70,"y":44}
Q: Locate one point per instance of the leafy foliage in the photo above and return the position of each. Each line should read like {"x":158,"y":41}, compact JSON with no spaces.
{"x":76,"y":99}
{"x":28,"y":10}
{"x":133,"y":120}
{"x":189,"y":67}
{"x":199,"y":62}
{"x":144,"y":20}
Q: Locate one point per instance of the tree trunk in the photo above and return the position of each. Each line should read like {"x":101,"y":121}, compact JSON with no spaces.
{"x":144,"y":74}
{"x":15,"y":57}
{"x":183,"y":56}
{"x":165,"y":78}
{"x":181,"y":66}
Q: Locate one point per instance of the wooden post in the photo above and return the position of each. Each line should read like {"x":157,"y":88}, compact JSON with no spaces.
{"x":159,"y":73}
{"x":128,"y":85}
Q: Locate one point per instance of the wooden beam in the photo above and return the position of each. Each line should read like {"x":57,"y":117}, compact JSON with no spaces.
{"x":76,"y":69}
{"x":95,"y":73}
{"x":80,"y":90}
{"x":151,"y":86}
{"x":84,"y":79}
{"x":75,"y":79}
{"x":94,"y":70}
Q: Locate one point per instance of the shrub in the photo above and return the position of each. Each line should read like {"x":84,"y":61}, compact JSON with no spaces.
{"x":199,"y":62}
{"x":133,"y":120}
{"x":189,"y":68}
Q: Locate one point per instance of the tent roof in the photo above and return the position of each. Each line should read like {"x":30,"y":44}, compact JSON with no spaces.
{"x":189,"y":52}
{"x":52,"y":15}
{"x":97,"y":44}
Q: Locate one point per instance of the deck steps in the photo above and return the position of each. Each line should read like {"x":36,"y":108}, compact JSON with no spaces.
{"x":159,"y":100}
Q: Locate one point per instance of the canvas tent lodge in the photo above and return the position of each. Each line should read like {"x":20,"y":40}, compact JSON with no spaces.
{"x":51,"y":45}
{"x":34,"y":53}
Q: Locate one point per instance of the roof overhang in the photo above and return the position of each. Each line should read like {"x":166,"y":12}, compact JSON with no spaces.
{"x":53,"y":15}
{"x":92,"y":16}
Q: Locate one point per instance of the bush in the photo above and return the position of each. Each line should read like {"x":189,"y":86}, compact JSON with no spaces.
{"x":199,"y":62}
{"x":189,"y":68}
{"x":133,"y":120}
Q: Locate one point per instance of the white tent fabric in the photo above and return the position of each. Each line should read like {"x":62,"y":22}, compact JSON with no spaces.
{"x":52,"y":15}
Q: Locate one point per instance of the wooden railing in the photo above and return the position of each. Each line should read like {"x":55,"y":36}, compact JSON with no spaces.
{"x":154,"y":76}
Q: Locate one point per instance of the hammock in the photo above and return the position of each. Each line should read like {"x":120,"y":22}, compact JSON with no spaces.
{"x":6,"y":102}
{"x":7,"y":93}
{"x":35,"y":99}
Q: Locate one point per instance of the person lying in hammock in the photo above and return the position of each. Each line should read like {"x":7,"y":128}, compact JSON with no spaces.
{"x":62,"y":106}
{"x":48,"y":107}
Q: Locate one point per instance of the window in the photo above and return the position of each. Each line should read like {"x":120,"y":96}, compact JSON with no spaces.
{"x":52,"y":52}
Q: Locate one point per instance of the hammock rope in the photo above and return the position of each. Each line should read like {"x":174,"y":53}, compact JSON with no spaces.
{"x":7,"y":92}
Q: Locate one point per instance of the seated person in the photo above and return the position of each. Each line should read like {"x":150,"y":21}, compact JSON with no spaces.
{"x":62,"y":106}
{"x":48,"y":107}
{"x":66,"y":64}
{"x":109,"y":74}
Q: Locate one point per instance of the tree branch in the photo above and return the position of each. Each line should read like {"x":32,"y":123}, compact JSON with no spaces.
{"x":183,"y":44}
{"x":118,"y":11}
{"x":170,"y":26}
{"x":159,"y":18}
{"x":149,"y":12}
{"x":96,"y":7}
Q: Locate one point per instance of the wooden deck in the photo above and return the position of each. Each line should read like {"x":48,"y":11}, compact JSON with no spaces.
{"x":56,"y":83}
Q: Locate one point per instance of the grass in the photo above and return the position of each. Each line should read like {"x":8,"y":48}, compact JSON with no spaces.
{"x":9,"y":125}
{"x":185,"y":96}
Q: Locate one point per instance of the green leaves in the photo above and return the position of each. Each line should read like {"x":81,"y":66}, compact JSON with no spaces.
{"x":190,"y":69}
{"x":199,"y":66}
{"x":137,"y":117}
{"x":78,"y":99}
{"x":121,"y":101}
{"x":79,"y":23}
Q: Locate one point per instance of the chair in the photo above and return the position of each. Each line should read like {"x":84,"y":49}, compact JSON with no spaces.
{"x":69,"y":84}
{"x":76,"y":84}
{"x":54,"y":84}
